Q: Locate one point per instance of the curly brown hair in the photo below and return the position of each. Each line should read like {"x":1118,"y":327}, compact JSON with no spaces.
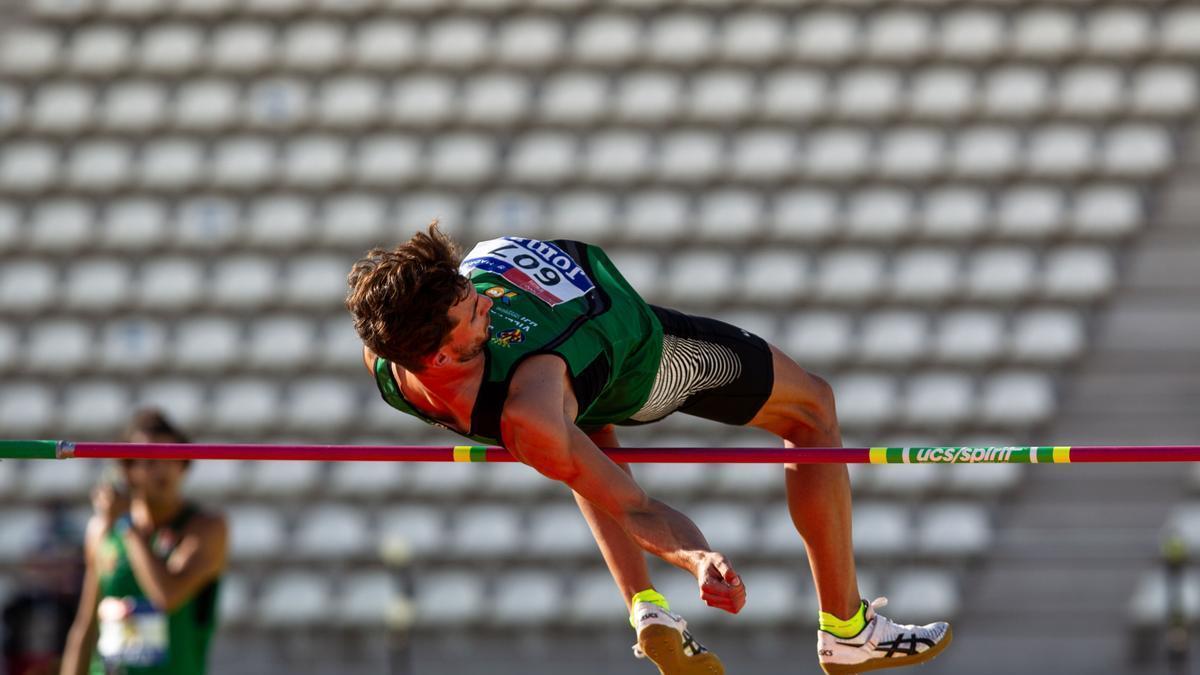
{"x":401,"y":298}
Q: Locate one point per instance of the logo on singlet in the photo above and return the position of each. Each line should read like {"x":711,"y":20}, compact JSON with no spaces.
{"x":500,"y":294}
{"x":512,"y":336}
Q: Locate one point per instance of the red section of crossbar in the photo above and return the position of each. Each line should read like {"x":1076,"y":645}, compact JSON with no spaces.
{"x":375,"y":453}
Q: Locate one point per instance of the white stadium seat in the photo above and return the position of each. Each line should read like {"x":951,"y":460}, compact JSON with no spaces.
{"x":418,"y":209}
{"x":729,"y":526}
{"x":28,"y":286}
{"x":246,"y":281}
{"x":295,"y":599}
{"x":543,"y":158}
{"x":371,"y":480}
{"x":279,"y":221}
{"x":134,"y":106}
{"x":28,"y":166}
{"x":388,"y":160}
{"x":907,"y":481}
{"x":930,"y":595}
{"x":171,"y":48}
{"x":805,"y":215}
{"x":865,"y":400}
{"x":495,"y":100}
{"x":938,"y":400}
{"x":1000,"y":273}
{"x":487,"y":531}
{"x":648,"y":96}
{"x":882,"y":529}
{"x":1016,"y":92}
{"x":776,"y":276}
{"x":656,"y":215}
{"x":21,"y":529}
{"x":242,"y":47}
{"x":256,"y":532}
{"x":353,"y":219}
{"x":1030,"y":213}
{"x":880,"y":214}
{"x":1060,"y":151}
{"x":837,"y":154}
{"x":215,"y":478}
{"x":1048,"y":336}
{"x":234,"y":600}
{"x":1017,"y":399}
{"x":59,"y":346}
{"x":62,"y":108}
{"x":444,"y":481}
{"x":206,"y":104}
{"x":641,"y":269}
{"x":584,"y":215}
{"x":366,"y":600}
{"x":850,"y":276}
{"x":762,"y":155}
{"x":384,"y":43}
{"x":447,"y":598}
{"x":99,"y":50}
{"x":322,"y":405}
{"x":417,"y":530}
{"x":618,"y":156}
{"x":529,"y":41}
{"x":30,"y":51}
{"x":942,"y":93}
{"x":925,"y":274}
{"x":331,"y":532}
{"x":171,"y":164}
{"x":10,"y":352}
{"x":869,"y":93}
{"x":132,"y":224}
{"x":969,"y":337}
{"x":1079,"y":273}
{"x":751,"y":481}
{"x":461,"y":159}
{"x":316,"y":281}
{"x":820,"y":337}
{"x":423,"y":100}
{"x":972,"y":33}
{"x":689,"y":156}
{"x":170,"y":283}
{"x":97,"y":285}
{"x":559,"y":531}
{"x":207,"y":343}
{"x":457,"y":42}
{"x":61,"y":225}
{"x":314,"y":161}
{"x":274,"y":478}
{"x":898,"y":35}
{"x":277,"y":103}
{"x":779,"y":536}
{"x":497,"y":214}
{"x":1118,"y":32}
{"x":280,"y":342}
{"x":953,"y":529}
{"x":1137,"y":150}
{"x":1091,"y":91}
{"x":99,"y":165}
{"x":95,"y":407}
{"x":721,"y":95}
{"x":794,"y":94}
{"x":1046,"y":33}
{"x":313,"y":45}
{"x":1180,"y":31}
{"x":701,"y":277}
{"x":12,"y":104}
{"x":679,"y":38}
{"x":608,"y":39}
{"x":574,"y":97}
{"x":1165,"y":90}
{"x":27,"y":408}
{"x":893,"y":337}
{"x":828,"y":35}
{"x":526,"y":599}
{"x":985,"y":152}
{"x":182,"y":400}
{"x":751,"y":36}
{"x":46,"y":480}
{"x":349,"y":102}
{"x":206,"y":223}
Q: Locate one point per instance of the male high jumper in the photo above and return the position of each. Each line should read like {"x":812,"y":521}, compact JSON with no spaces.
{"x":542,"y":347}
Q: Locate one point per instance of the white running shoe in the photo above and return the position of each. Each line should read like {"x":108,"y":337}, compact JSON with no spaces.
{"x":882,"y":643}
{"x":663,"y":638}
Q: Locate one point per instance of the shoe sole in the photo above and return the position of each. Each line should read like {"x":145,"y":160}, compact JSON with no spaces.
{"x":880,"y":664}
{"x":664,"y":647}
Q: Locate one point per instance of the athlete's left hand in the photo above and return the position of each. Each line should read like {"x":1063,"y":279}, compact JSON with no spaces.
{"x":720,"y":585}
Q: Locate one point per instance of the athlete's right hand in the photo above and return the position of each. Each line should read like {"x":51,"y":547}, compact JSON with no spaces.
{"x":720,"y":585}
{"x":109,"y":504}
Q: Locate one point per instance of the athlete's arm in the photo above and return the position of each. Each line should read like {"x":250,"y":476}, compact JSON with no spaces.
{"x":538,"y":427}
{"x":197,"y":560}
{"x":81,"y":639}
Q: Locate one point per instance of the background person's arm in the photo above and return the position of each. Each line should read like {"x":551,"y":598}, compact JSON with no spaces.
{"x":538,"y":427}
{"x":81,"y":639}
{"x":198,"y":559}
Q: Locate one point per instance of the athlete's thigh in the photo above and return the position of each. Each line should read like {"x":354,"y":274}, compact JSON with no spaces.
{"x":797,"y":397}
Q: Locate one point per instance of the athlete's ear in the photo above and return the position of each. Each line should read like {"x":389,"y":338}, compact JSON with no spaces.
{"x":440,"y":358}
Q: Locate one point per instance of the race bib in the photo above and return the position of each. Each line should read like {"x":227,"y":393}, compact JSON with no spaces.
{"x":132,"y":632}
{"x":537,"y":267}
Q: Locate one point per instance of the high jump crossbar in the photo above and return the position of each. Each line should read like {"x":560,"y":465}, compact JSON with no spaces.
{"x":18,"y":449}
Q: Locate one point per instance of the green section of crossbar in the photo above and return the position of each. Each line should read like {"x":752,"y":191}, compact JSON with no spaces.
{"x":28,"y":449}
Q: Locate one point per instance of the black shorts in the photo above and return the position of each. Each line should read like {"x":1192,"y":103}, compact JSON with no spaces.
{"x":709,"y":369}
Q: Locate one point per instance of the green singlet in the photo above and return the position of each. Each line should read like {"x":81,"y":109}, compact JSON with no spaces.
{"x":555,"y":297}
{"x":135,"y":637}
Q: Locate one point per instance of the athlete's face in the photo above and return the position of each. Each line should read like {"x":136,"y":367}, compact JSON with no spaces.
{"x":153,"y":479}
{"x":471,"y":329}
